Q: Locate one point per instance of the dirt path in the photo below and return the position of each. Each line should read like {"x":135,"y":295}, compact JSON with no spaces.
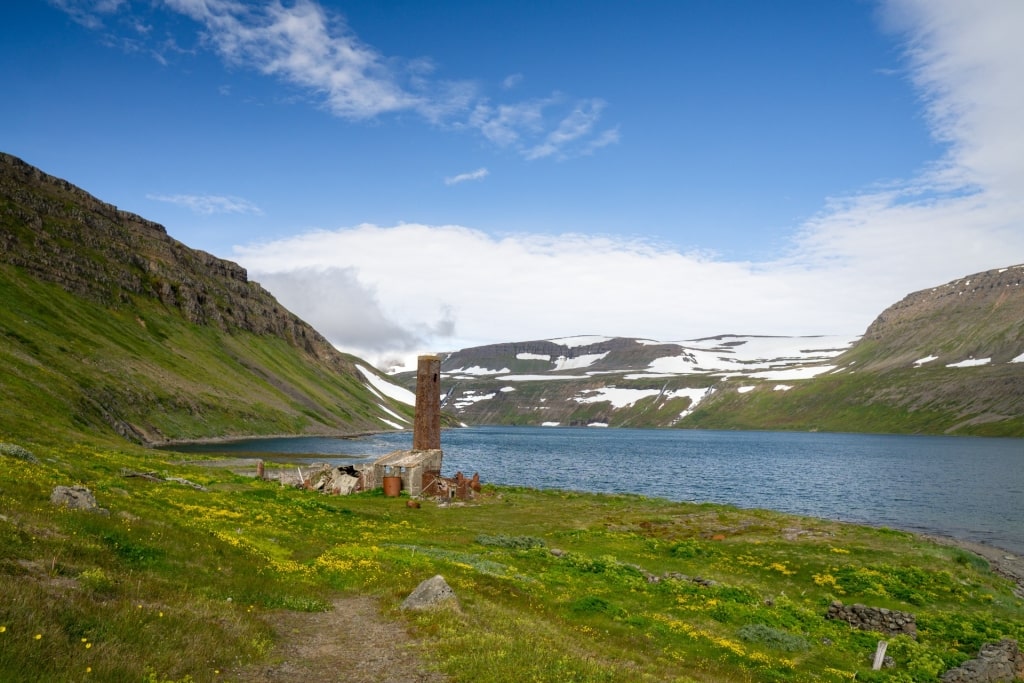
{"x":351,"y":643}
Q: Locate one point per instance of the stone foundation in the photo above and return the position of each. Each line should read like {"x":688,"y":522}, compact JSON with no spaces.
{"x":891,"y":622}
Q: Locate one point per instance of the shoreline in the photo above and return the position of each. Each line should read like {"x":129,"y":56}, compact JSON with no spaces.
{"x":1007,"y":564}
{"x":169,"y":443}
{"x":1001,"y":561}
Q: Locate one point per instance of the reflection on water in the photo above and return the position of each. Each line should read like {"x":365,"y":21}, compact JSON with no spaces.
{"x":962,"y":487}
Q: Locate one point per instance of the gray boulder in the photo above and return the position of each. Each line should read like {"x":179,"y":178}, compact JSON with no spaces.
{"x":432,"y":593}
{"x":75,"y":498}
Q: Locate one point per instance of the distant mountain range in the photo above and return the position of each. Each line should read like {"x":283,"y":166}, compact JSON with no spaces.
{"x":944,"y":360}
{"x":111,"y":329}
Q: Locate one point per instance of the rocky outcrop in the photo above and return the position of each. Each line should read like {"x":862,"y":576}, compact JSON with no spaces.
{"x":1001,"y":662}
{"x":64,"y":235}
{"x":891,"y":622}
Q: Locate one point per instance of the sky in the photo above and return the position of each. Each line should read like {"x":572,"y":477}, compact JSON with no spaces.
{"x":415,"y":177}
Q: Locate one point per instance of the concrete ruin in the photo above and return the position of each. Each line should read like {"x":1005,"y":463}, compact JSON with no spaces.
{"x":416,"y":471}
{"x":410,"y":466}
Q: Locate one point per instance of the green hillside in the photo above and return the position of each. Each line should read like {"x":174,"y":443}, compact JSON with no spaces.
{"x":111,"y":327}
{"x":945,"y":360}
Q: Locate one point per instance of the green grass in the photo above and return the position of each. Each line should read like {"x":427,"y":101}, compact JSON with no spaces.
{"x":144,"y":372}
{"x":554,"y":586}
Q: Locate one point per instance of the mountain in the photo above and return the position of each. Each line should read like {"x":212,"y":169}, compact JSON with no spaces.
{"x":110,"y":326}
{"x":945,"y":360}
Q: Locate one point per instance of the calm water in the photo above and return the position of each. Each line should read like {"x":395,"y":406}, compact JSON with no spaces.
{"x":962,"y":487}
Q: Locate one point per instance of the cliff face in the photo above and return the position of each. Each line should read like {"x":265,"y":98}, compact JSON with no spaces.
{"x":61,"y":234}
{"x":108,"y":323}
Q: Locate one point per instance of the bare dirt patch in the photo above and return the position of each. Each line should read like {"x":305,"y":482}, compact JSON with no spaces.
{"x":353,"y":642}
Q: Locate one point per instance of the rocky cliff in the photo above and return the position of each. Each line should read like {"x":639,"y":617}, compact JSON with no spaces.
{"x":61,"y":234}
{"x":108,"y":322}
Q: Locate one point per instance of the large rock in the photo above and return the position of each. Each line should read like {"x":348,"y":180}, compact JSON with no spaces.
{"x":432,"y":593}
{"x":75,"y":498}
{"x":1001,"y":662}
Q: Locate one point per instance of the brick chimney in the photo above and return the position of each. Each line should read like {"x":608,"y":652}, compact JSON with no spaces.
{"x":426,"y":433}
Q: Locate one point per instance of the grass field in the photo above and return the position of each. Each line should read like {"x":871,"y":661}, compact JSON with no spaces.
{"x":171,"y":584}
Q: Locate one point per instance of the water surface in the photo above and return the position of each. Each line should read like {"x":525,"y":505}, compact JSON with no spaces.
{"x":969,"y":488}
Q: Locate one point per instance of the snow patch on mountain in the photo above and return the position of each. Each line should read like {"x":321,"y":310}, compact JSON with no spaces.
{"x":470,"y":397}
{"x":582,"y":340}
{"x":970,"y":363}
{"x":619,"y":398}
{"x":382,"y":386}
{"x":475,"y":370}
{"x":585,"y":361}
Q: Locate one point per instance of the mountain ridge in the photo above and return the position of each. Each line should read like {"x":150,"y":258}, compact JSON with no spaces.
{"x":110,"y":323}
{"x":947,"y":359}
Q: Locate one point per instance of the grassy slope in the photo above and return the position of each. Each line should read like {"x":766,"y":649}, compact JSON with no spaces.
{"x":76,"y":367}
{"x":172,"y":569}
{"x":979,"y":401}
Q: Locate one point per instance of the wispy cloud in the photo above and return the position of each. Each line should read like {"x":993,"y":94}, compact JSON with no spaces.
{"x":89,"y":13}
{"x":478,"y":174}
{"x":579,"y":124}
{"x":964,"y":211}
{"x":314,"y":49}
{"x":511,"y":81}
{"x":304,"y":46}
{"x":208,"y":204}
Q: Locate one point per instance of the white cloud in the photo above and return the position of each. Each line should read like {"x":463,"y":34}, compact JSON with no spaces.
{"x":964,"y":212}
{"x":304,"y":46}
{"x":966,"y":59}
{"x":519,"y":287}
{"x":478,"y":174}
{"x":862,"y":253}
{"x":506,"y":124}
{"x":208,"y":204}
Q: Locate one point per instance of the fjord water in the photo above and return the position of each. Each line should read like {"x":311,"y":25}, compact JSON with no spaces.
{"x":968,"y":488}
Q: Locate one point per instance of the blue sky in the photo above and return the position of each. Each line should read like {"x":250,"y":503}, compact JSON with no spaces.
{"x":413,"y":176}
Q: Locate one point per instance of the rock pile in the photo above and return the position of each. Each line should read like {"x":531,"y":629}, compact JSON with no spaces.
{"x":879,"y":619}
{"x":1000,"y":662}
